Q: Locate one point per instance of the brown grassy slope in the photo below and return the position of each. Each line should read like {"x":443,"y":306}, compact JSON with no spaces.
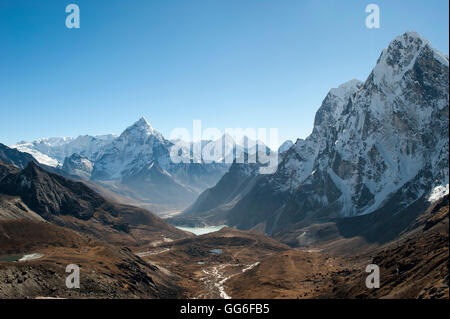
{"x":420,"y":253}
{"x":289,"y":275}
{"x":106,"y":271}
{"x":416,"y":264}
{"x":22,"y":236}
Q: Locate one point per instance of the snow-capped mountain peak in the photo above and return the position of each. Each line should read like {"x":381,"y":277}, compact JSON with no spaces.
{"x":400,"y":56}
{"x":142,"y":129}
{"x":137,"y":146}
{"x":144,"y":124}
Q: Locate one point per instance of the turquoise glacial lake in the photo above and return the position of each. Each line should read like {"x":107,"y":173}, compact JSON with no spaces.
{"x":202,"y":230}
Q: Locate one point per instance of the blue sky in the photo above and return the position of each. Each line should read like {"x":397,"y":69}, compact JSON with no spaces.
{"x":229,"y":63}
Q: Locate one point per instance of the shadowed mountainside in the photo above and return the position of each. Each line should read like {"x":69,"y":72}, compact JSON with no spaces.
{"x":74,"y":205}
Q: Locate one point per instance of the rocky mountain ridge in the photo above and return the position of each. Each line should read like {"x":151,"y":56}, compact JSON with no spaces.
{"x":376,"y":145}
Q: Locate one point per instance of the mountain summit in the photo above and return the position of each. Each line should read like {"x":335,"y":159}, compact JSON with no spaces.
{"x":142,"y":127}
{"x":401,"y":56}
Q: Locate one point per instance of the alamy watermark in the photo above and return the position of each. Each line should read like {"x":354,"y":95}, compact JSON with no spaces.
{"x":73,"y":17}
{"x":373,"y":280}
{"x":373,"y":19}
{"x":73,"y":280}
{"x":252,"y":146}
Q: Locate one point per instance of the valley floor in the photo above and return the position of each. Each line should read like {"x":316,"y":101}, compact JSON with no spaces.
{"x":228,"y":263}
{"x":251,"y":265}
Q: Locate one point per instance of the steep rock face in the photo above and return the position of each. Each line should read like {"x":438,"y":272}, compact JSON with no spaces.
{"x":264,"y":201}
{"x":78,"y":165}
{"x":391,"y":136}
{"x":285,"y":146}
{"x":377,"y":145}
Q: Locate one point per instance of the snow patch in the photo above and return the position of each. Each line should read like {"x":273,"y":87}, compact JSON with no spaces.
{"x":38,"y":156}
{"x":438,"y":192}
{"x":31,"y":257}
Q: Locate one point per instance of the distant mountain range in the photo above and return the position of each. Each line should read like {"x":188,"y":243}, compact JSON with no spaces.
{"x":137,"y":165}
{"x":53,"y":151}
{"x":379,"y":148}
